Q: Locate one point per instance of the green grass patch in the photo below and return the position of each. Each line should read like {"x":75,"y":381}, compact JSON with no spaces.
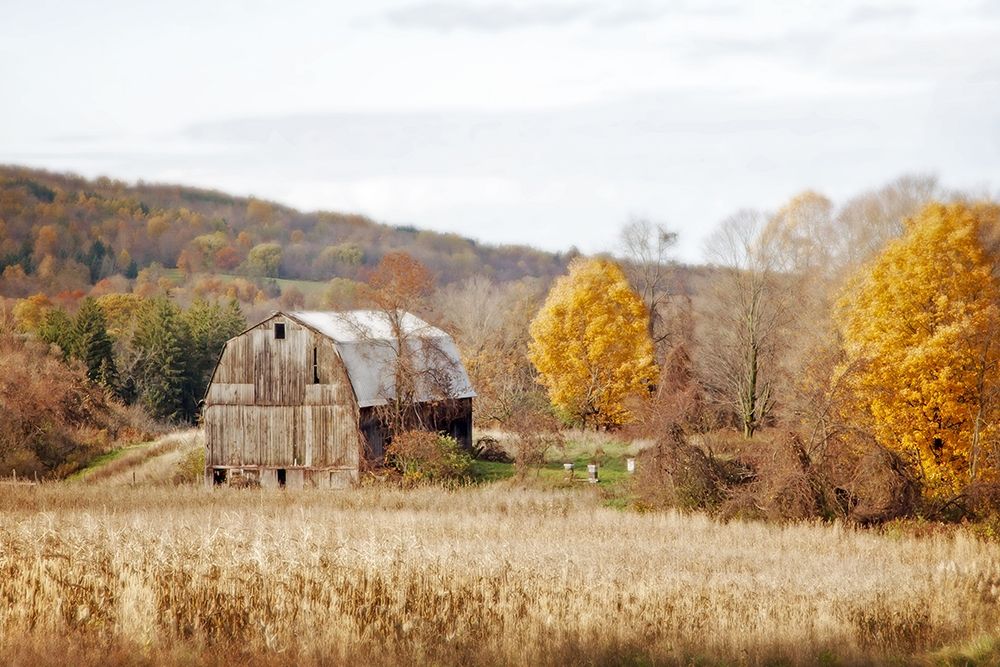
{"x":101,"y":460}
{"x":584,"y":447}
{"x":580,"y":448}
{"x":307,"y":287}
{"x":491,"y":471}
{"x":580,"y":444}
{"x":610,"y":472}
{"x":979,"y":651}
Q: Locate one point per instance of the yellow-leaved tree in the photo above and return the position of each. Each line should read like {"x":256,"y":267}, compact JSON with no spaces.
{"x":920,"y":327}
{"x":590,"y":343}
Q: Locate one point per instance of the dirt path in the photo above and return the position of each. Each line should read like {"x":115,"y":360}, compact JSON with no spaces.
{"x":156,"y":462}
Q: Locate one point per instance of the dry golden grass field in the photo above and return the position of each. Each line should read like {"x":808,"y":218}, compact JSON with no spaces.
{"x":497,"y":574}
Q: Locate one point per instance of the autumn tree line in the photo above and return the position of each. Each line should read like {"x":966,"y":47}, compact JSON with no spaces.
{"x":826,"y":361}
{"x":149,"y":352}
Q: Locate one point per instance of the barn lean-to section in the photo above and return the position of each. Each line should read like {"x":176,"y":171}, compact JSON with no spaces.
{"x":294,"y":399}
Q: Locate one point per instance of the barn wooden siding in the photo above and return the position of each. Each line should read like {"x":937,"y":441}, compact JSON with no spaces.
{"x":264,"y":412}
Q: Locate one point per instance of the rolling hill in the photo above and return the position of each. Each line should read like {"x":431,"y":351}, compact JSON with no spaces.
{"x":61,"y":232}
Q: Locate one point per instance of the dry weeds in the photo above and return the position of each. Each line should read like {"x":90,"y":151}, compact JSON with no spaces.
{"x":494,"y":575}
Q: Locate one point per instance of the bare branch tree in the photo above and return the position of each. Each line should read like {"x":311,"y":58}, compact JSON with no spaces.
{"x":870,"y":220}
{"x":742,"y":318}
{"x":646,"y":247}
{"x":489,"y":322}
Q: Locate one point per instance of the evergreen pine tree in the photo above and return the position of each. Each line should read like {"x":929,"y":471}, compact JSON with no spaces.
{"x":162,"y":340}
{"x":210,"y":326}
{"x":233,"y":321}
{"x":95,"y":260}
{"x":57,"y":329}
{"x":92,"y":344}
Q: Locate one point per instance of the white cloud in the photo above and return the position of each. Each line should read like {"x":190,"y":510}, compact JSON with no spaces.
{"x":446,"y":15}
{"x":404,"y":198}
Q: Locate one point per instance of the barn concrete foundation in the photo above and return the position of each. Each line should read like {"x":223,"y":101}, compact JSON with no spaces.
{"x":277,"y":478}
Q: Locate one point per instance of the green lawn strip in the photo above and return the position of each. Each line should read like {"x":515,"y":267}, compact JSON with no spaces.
{"x":101,"y":460}
{"x":588,"y":445}
{"x":610,"y":474}
{"x":580,"y":449}
{"x":491,"y":471}
{"x":107,"y":458}
{"x":607,"y":452}
{"x":612,"y":471}
{"x":307,"y":287}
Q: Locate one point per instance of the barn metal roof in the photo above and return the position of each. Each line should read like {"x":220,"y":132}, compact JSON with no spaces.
{"x":365,"y":342}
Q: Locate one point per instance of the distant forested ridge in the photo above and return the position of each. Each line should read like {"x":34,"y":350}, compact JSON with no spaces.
{"x":62,"y":232}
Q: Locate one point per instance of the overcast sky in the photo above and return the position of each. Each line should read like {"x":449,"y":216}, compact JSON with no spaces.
{"x":541,"y":122}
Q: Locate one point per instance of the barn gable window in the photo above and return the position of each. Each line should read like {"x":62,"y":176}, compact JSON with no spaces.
{"x":315,"y":366}
{"x":279,"y":330}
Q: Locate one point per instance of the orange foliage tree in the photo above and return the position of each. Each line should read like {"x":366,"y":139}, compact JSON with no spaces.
{"x":921,"y":324}
{"x":399,"y":285}
{"x":400,"y":282}
{"x":591,"y":346}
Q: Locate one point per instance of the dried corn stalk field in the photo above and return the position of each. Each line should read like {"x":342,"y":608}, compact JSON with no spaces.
{"x":491,"y":575}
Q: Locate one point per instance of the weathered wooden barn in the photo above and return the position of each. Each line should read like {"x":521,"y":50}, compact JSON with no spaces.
{"x":300,"y":398}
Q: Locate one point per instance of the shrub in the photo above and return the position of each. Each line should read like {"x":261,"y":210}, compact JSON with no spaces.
{"x":423,"y":456}
{"x":489,"y":448}
{"x":536,"y":432}
{"x":775,"y":478}
{"x":191,"y":467}
{"x":674,"y":473}
{"x":874,"y":485}
{"x":769,"y":477}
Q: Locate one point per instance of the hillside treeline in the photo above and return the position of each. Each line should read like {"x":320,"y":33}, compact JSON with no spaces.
{"x":61,"y":233}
